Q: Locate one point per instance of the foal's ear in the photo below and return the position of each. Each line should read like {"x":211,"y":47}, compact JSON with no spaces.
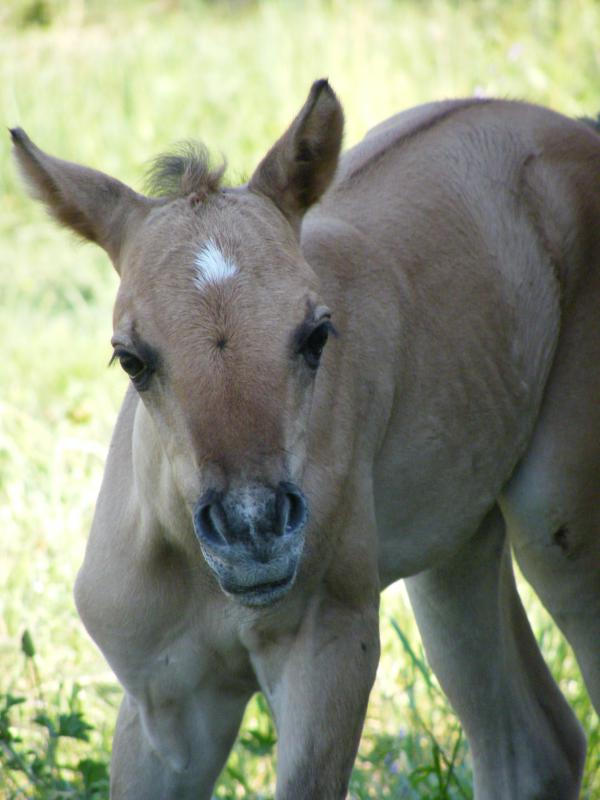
{"x":95,"y":206}
{"x":299,"y":167}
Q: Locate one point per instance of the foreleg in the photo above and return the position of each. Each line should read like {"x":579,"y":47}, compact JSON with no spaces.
{"x":318,"y":688}
{"x":174,"y":750}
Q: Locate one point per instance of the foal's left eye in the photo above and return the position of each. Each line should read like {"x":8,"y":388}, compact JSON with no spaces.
{"x":313,"y":345}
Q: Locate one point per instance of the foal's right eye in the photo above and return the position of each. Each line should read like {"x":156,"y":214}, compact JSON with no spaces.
{"x":138,"y":371}
{"x":132,"y":365}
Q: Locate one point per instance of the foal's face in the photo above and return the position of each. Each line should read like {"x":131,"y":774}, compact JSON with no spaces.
{"x":219,"y":323}
{"x":220,"y":326}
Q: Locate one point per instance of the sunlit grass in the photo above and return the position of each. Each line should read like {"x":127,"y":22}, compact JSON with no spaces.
{"x":113,"y":83}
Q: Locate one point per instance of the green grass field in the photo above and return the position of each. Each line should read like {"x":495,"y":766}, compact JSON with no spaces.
{"x":110,"y":84}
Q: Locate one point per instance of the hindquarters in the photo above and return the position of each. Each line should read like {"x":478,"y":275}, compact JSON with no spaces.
{"x":552,"y":502}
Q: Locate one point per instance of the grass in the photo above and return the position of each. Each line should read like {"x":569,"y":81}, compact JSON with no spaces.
{"x":111,"y":84}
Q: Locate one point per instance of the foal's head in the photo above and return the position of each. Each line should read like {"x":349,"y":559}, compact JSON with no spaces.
{"x":219,"y":324}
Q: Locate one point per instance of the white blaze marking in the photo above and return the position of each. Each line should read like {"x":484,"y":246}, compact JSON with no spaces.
{"x":212,"y":266}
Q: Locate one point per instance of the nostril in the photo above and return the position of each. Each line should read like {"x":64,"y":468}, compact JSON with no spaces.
{"x":297,"y":513}
{"x":207,"y":524}
{"x":209,"y":519}
{"x":292,"y":509}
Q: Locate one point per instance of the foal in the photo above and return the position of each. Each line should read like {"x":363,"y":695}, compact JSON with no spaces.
{"x":263,"y":486}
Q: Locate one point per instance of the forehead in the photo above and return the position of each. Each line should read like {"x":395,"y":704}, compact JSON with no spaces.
{"x":233,"y":254}
{"x":231,"y":227}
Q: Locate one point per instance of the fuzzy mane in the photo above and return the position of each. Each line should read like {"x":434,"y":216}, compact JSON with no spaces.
{"x":185,"y":171}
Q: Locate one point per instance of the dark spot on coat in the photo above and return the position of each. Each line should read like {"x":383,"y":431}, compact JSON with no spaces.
{"x":561,"y":538}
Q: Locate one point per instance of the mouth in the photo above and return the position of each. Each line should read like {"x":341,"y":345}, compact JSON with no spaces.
{"x":260,"y":594}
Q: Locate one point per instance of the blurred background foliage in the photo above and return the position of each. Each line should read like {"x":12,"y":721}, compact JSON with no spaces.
{"x":110,"y":83}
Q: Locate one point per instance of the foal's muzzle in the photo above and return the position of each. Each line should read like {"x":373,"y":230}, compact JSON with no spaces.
{"x":252,"y":539}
